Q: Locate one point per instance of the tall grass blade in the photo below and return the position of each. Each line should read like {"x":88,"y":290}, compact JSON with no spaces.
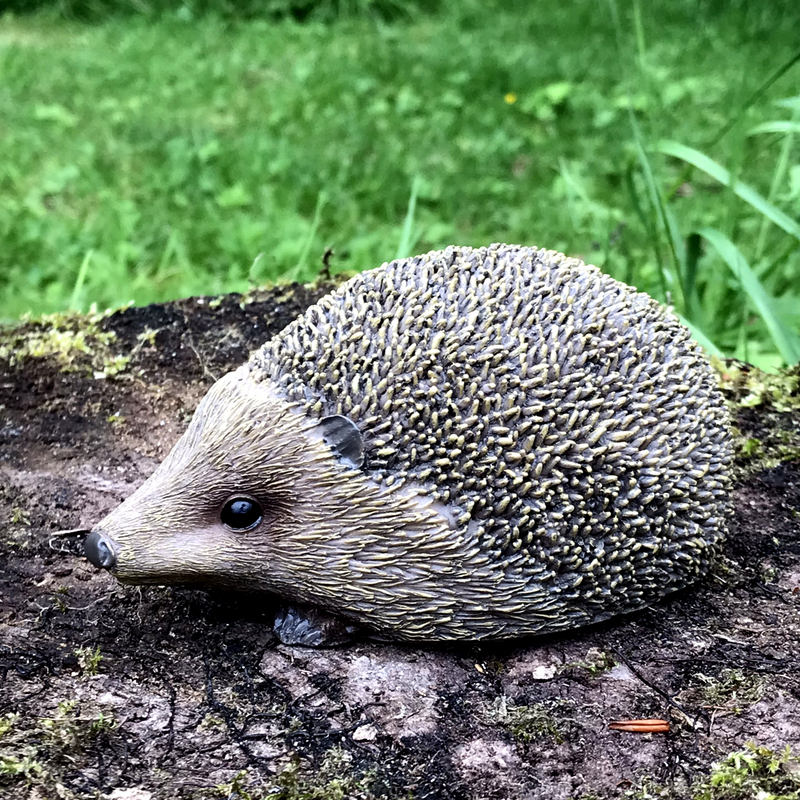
{"x":620,"y":34}
{"x":407,"y":236}
{"x":778,"y":126}
{"x":641,"y":47}
{"x":778,"y":176}
{"x":162,"y":268}
{"x":742,"y":190}
{"x":79,"y":281}
{"x":666,"y":219}
{"x":700,"y":337}
{"x":647,"y":224}
{"x":312,"y":234}
{"x":777,"y":260}
{"x":785,"y":339}
{"x":677,"y":247}
{"x":255,"y":269}
{"x":734,"y":120}
{"x":693,"y":251}
{"x":754,"y":97}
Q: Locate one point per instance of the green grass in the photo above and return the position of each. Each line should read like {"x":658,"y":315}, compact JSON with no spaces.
{"x":143,"y":159}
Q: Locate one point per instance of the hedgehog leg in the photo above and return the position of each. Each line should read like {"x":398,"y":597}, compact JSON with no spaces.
{"x":309,"y":627}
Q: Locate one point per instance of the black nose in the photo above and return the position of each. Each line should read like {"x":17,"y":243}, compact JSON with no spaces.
{"x":101,"y":550}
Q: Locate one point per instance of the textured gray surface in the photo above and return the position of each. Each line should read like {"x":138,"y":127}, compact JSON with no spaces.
{"x":545,"y":448}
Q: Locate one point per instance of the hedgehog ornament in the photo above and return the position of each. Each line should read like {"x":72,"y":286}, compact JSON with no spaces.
{"x":469,"y":444}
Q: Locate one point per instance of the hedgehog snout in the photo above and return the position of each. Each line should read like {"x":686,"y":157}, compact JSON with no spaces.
{"x":101,"y":550}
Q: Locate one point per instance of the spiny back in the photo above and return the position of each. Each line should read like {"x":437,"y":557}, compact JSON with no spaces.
{"x":568,"y":422}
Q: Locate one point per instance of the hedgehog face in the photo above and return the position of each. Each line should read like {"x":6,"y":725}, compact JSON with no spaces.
{"x":254,"y":491}
{"x":243,"y":479}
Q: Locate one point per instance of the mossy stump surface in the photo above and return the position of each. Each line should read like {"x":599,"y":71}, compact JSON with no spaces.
{"x":185,"y":694}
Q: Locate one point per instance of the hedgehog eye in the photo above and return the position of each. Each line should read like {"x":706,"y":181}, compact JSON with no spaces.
{"x":241,"y":513}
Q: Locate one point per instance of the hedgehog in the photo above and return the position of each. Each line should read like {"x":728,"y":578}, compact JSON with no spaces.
{"x":475,"y":443}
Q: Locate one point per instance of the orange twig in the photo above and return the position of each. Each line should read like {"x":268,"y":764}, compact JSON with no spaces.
{"x":641,"y":725}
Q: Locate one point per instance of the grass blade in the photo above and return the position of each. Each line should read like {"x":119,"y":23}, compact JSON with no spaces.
{"x":641,"y":48}
{"x":754,"y":97}
{"x":666,"y":219}
{"x":406,"y":237}
{"x":677,"y":247}
{"x":742,"y":190}
{"x":785,"y":339}
{"x":778,"y":126}
{"x":700,"y":337}
{"x":743,"y":109}
{"x":778,"y":176}
{"x":693,"y":253}
{"x":312,"y":234}
{"x":80,"y":280}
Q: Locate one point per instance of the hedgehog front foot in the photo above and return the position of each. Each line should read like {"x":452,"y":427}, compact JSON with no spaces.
{"x":309,"y":627}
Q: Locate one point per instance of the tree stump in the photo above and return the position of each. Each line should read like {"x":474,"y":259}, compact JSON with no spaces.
{"x":136,"y":693}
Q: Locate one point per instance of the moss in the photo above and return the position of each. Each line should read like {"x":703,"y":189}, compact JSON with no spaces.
{"x":18,"y":535}
{"x":597,"y":662}
{"x":333,"y":779}
{"x":527,"y":723}
{"x":749,"y":448}
{"x":293,"y":787}
{"x":147,"y":338}
{"x":19,"y":516}
{"x":6,"y":723}
{"x":732,"y":690}
{"x":75,"y":342}
{"x":745,"y":386}
{"x":89,"y":660}
{"x":40,"y":753}
{"x":211,"y":722}
{"x":770,"y":450}
{"x":285,"y":292}
{"x":68,"y":732}
{"x":59,"y":604}
{"x":648,"y":789}
{"x":16,"y":763}
{"x":24,"y":767}
{"x":753,"y":773}
{"x":236,"y":789}
{"x":775,"y":441}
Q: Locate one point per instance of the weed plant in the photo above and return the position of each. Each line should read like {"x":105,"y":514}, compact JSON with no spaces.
{"x":151,"y":156}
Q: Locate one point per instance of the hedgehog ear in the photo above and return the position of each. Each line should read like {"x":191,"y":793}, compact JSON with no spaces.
{"x":344,"y":439}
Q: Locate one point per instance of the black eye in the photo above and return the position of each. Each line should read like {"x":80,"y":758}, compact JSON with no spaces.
{"x":241,"y":513}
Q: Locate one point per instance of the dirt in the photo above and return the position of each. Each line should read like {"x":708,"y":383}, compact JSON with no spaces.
{"x":137,"y":694}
